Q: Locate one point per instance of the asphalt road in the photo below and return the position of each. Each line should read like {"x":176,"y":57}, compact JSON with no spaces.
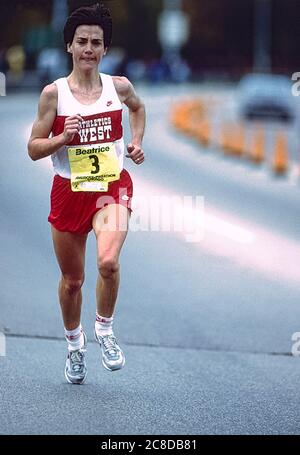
{"x":206,"y":321}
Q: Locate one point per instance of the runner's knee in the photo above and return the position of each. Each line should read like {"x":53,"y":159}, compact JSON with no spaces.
{"x":71,"y":284}
{"x":108,"y":267}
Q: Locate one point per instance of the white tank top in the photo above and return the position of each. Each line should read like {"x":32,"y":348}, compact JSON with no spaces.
{"x":102,"y":122}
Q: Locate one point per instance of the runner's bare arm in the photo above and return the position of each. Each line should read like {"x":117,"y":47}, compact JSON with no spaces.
{"x":40,"y":145}
{"x":137,"y":117}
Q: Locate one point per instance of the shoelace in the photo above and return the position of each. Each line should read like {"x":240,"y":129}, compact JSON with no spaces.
{"x":76,"y":361}
{"x":109,"y":343}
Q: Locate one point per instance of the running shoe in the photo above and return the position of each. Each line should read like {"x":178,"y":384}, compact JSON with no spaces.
{"x":75,"y":370}
{"x":112,"y":355}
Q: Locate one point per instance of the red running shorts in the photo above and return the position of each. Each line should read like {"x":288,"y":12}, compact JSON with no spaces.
{"x":74,"y":211}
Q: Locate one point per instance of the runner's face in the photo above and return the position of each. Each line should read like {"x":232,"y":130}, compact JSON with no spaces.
{"x":87,"y":47}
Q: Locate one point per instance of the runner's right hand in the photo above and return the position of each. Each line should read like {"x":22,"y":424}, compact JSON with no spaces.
{"x":71,"y":127}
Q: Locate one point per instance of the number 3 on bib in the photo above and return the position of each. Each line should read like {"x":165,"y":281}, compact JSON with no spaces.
{"x":95,"y":164}
{"x":93,"y":167}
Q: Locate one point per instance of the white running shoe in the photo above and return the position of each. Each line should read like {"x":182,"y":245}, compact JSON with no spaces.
{"x":112,"y":355}
{"x":75,"y":370}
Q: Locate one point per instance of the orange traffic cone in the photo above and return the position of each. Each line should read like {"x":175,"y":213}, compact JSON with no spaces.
{"x":179,"y":117}
{"x":226,"y":138}
{"x":233,"y":140}
{"x":195,"y":118}
{"x":257,"y":148}
{"x":238,"y":145}
{"x":189,"y":118}
{"x":280,"y":160}
{"x":203,"y":131}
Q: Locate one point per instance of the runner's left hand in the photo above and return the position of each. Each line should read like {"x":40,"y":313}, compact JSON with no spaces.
{"x":136,"y":153}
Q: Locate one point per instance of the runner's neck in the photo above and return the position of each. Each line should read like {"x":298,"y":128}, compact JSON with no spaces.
{"x":86,"y":83}
{"x":86,"y":91}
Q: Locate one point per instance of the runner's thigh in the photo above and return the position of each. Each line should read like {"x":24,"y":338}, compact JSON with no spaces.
{"x":111,"y":226}
{"x":70,"y":252}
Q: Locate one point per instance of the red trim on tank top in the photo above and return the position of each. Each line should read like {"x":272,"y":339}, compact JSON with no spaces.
{"x":98,"y":131}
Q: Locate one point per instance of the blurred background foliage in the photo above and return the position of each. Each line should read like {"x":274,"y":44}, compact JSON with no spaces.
{"x":221,"y":37}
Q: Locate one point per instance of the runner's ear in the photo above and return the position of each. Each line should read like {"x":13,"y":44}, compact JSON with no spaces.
{"x":69,"y":48}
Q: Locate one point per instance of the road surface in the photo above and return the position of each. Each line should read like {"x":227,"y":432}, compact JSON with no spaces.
{"x":206,"y":310}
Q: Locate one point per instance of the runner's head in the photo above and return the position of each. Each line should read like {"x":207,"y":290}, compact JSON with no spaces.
{"x":89,"y":15}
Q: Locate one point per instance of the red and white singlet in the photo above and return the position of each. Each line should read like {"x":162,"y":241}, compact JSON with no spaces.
{"x":102,"y":122}
{"x":89,"y":173}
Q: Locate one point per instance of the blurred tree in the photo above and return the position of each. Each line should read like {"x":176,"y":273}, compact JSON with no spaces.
{"x":22,"y":14}
{"x":286,"y":35}
{"x":221,"y":37}
{"x":221,"y":34}
{"x":30,"y":19}
{"x":74,"y":4}
{"x":142,"y":36}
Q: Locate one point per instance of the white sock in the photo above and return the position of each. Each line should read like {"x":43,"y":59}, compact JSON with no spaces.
{"x":75,"y":338}
{"x":103,"y":326}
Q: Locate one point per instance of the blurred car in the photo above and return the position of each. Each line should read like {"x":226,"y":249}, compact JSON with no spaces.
{"x":266,"y":96}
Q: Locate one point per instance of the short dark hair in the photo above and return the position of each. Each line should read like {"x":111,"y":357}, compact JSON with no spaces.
{"x":89,"y":15}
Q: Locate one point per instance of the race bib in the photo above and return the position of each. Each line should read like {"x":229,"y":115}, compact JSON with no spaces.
{"x":93,"y":166}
